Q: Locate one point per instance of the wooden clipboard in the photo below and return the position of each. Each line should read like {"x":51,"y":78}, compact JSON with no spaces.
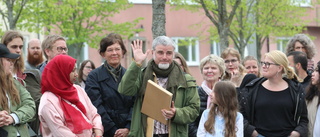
{"x":155,"y":99}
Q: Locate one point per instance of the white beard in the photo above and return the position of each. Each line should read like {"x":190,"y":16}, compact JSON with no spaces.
{"x":164,"y":66}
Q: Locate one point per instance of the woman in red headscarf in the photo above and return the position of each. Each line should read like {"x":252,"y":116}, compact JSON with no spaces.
{"x":65,"y":109}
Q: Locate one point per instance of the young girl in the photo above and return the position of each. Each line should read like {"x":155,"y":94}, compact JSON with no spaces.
{"x":223,"y":118}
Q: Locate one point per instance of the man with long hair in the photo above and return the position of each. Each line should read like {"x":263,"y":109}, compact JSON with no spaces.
{"x":35,"y":55}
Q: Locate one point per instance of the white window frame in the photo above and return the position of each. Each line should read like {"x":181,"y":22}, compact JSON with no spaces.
{"x":302,"y":3}
{"x":282,"y":43}
{"x":26,"y":39}
{"x":190,"y":52}
{"x":140,"y":1}
{"x":188,"y":2}
{"x":215,"y":48}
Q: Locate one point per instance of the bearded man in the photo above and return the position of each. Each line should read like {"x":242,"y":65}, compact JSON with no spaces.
{"x":35,"y":55}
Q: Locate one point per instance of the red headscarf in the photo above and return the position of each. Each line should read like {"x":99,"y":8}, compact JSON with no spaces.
{"x":56,"y":79}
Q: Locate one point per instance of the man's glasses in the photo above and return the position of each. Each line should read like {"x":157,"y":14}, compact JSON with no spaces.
{"x":232,"y":61}
{"x":60,"y":49}
{"x":267,"y":64}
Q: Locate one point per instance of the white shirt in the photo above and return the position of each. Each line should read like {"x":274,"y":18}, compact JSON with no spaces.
{"x":219,"y":125}
{"x":316,"y":128}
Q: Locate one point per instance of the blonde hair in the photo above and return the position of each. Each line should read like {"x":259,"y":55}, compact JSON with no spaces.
{"x":177,"y":55}
{"x":280,"y":58}
{"x":49,"y":41}
{"x":235,"y":53}
{"x":214,"y":60}
{"x":247,"y":58}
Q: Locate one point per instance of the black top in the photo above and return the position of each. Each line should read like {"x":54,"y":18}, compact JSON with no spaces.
{"x":248,"y":97}
{"x":274,"y":113}
{"x":306,"y":82}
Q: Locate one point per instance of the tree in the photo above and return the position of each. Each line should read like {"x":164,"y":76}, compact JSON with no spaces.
{"x":158,"y":18}
{"x":11,"y":12}
{"x":276,"y":18}
{"x":83,"y":21}
{"x":248,"y":20}
{"x":221,"y":13}
{"x":259,"y":19}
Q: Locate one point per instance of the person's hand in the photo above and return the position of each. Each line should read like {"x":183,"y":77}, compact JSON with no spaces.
{"x":168,"y":114}
{"x":235,"y":74}
{"x":138,"y":54}
{"x":4,"y":116}
{"x":294,"y":134}
{"x":97,"y":132}
{"x":123,"y":132}
{"x":255,"y":133}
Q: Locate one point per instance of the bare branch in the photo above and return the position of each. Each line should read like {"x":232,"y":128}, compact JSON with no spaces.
{"x":215,"y":22}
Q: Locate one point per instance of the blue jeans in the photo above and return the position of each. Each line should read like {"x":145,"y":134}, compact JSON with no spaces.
{"x":260,"y":135}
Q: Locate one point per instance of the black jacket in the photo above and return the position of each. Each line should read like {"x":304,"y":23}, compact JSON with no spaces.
{"x":115,"y":109}
{"x":247,"y":97}
{"x":193,"y":127}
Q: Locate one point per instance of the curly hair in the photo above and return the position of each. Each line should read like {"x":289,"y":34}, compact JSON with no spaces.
{"x":214,"y":60}
{"x":305,"y":41}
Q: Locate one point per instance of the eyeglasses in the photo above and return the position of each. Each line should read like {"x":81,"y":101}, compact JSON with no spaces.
{"x":232,"y":61}
{"x":267,"y":64}
{"x":60,"y":49}
{"x":88,"y":67}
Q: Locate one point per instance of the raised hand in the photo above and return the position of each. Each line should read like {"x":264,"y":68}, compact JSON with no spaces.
{"x":138,"y":54}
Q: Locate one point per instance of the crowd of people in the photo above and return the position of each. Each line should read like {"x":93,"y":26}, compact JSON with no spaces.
{"x":275,"y":97}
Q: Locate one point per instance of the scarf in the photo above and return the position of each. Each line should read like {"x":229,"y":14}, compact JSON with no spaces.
{"x":174,"y":73}
{"x":115,"y":72}
{"x":56,"y":79}
{"x":175,"y":78}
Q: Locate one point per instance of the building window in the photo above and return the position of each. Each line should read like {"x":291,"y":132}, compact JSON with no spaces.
{"x":282,"y":43}
{"x":215,"y":48}
{"x":302,"y":3}
{"x":26,"y":40}
{"x":140,"y":1}
{"x":188,"y":47}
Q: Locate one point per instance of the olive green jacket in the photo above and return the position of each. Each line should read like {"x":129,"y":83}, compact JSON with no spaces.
{"x":187,"y":103}
{"x":25,"y":111}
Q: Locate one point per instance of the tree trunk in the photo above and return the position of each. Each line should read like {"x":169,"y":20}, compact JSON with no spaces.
{"x":224,"y":36}
{"x":158,"y":18}
{"x":259,"y":46}
{"x":12,"y":24}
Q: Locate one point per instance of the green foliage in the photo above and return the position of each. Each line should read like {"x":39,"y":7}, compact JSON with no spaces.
{"x":85,"y":20}
{"x":278,"y":18}
{"x":11,"y":11}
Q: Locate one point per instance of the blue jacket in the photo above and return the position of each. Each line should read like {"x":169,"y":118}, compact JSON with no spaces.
{"x":115,"y":109}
